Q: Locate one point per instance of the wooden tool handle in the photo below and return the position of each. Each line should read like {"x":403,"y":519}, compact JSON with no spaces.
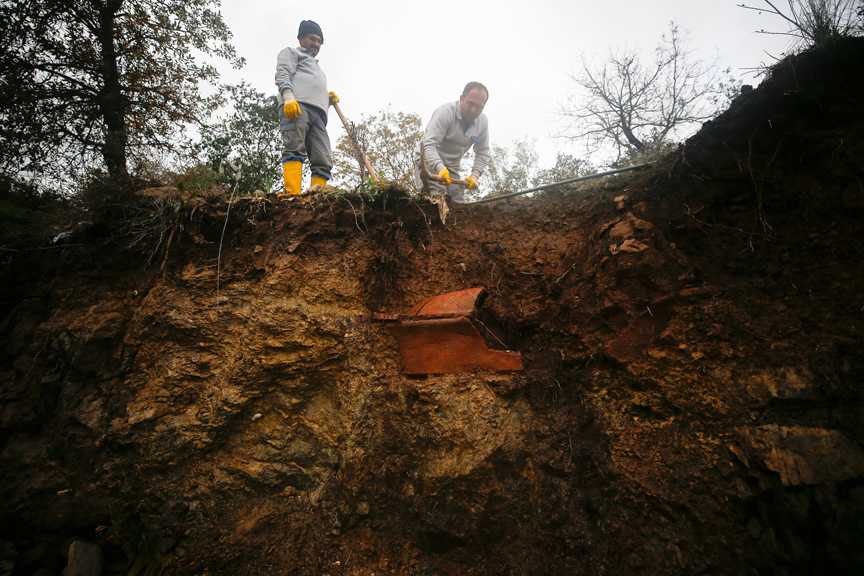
{"x":440,"y":179}
{"x":362,"y":153}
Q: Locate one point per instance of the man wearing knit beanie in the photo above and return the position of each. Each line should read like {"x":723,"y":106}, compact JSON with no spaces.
{"x":304,"y":103}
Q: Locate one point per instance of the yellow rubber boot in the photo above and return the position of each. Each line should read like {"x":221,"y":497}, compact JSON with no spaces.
{"x":293,"y":172}
{"x":318,"y":180}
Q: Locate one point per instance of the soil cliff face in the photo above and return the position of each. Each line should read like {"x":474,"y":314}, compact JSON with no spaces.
{"x":691,"y":400}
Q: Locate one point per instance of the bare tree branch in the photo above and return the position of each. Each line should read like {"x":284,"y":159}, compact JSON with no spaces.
{"x":631,"y":103}
{"x":816,"y":22}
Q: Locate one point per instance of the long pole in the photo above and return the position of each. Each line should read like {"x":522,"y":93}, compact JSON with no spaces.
{"x":359,"y":147}
{"x":562,"y":182}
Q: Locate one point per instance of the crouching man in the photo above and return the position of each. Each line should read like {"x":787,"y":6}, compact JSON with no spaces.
{"x":454,"y":129}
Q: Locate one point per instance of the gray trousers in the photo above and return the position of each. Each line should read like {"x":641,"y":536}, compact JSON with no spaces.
{"x":457,"y":192}
{"x":306,"y":138}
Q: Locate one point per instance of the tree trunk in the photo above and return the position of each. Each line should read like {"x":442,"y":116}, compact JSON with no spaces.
{"x":112,"y":100}
{"x":631,"y":137}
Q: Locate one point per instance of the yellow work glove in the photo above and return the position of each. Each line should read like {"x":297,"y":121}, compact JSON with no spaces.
{"x":444,"y":173}
{"x":292,"y":107}
{"x":472,"y":181}
{"x":333,"y":98}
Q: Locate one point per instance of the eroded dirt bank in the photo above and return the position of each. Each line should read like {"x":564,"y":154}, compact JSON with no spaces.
{"x":691,"y":401}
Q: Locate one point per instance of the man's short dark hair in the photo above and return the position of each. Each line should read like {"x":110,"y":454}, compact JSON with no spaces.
{"x":472,"y":85}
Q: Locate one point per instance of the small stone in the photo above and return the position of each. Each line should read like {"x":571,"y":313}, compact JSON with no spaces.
{"x":632,"y":245}
{"x":84,"y":560}
{"x":256,"y":416}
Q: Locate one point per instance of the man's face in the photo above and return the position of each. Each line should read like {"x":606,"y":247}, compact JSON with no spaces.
{"x":311,"y":42}
{"x":472,"y":104}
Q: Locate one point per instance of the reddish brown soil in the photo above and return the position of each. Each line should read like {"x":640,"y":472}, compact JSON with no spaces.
{"x":691,"y":402}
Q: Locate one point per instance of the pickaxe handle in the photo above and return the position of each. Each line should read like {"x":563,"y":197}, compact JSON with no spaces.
{"x":426,"y":176}
{"x":362,"y":153}
{"x":440,"y":179}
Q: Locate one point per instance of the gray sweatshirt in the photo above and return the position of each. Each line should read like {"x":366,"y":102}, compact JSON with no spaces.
{"x":447,"y":139}
{"x":297,"y":71}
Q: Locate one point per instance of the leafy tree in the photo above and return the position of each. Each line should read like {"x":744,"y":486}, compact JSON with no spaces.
{"x":816,"y":22}
{"x":389,"y":140}
{"x":510,"y":170}
{"x":93,"y":79}
{"x":631,"y":104}
{"x":517,"y":168}
{"x":247,"y":137}
{"x":565,"y":168}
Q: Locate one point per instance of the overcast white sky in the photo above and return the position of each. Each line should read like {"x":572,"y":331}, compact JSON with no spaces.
{"x":416,"y":56}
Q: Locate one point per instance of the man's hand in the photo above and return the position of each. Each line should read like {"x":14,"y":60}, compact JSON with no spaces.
{"x":333,"y":98}
{"x":472,"y":181}
{"x":292,"y":110}
{"x":444,"y":173}
{"x":292,"y":107}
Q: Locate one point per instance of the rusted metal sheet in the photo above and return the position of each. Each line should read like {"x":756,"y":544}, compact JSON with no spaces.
{"x":463,"y":303}
{"x":439,"y":336}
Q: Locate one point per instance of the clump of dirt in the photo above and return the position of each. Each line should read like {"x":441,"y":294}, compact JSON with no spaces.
{"x":691,"y":400}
